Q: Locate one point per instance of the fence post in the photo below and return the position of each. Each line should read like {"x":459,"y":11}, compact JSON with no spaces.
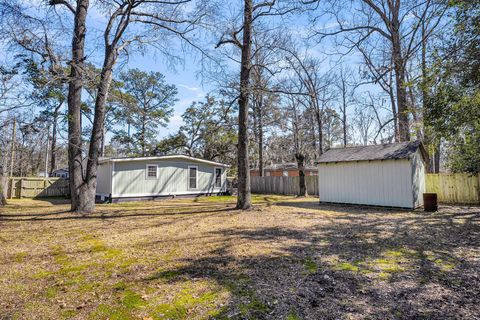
{"x":21,"y":189}
{"x":478,"y":189}
{"x":12,"y":188}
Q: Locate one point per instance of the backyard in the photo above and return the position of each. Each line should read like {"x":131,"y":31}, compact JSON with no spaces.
{"x":200,"y":258}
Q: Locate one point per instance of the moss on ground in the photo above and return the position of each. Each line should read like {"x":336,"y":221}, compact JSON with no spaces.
{"x":293,"y":316}
{"x":182,"y":303}
{"x":310,"y":266}
{"x":201,"y":259}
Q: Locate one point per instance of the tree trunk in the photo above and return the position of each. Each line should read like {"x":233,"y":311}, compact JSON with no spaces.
{"x":88,"y":195}
{"x":393,"y":103}
{"x":314,"y":134}
{"x":344,"y":116}
{"x":436,"y":158}
{"x":102,"y":145}
{"x":53,"y":151}
{"x":74,"y":105}
{"x":142,"y":134}
{"x":3,"y":190}
{"x":260,"y":137}
{"x":320,"y":131}
{"x":301,"y":173}
{"x":399,"y":67}
{"x":244,"y":194}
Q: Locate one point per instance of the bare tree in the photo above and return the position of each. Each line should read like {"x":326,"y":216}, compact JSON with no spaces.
{"x":155,"y":22}
{"x":314,"y":86}
{"x":298,"y":125}
{"x":78,"y":189}
{"x":251,"y":13}
{"x":266,"y":67}
{"x":377,"y":21}
{"x":346,"y":86}
{"x":373,"y":118}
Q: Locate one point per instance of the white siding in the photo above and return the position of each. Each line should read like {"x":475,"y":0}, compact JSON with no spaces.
{"x":383,"y":183}
{"x":104,"y":179}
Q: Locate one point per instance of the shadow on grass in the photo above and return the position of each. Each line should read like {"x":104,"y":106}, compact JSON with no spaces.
{"x":125,"y":214}
{"x":406,"y":267}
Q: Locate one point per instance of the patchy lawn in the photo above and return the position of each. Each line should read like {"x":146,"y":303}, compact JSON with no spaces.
{"x":201,"y":259}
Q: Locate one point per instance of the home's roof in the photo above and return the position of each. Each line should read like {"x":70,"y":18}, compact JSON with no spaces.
{"x":169,"y":157}
{"x":392,"y":151}
{"x":286,"y":166}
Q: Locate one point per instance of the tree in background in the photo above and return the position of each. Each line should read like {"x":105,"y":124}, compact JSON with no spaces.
{"x":127,"y":22}
{"x":453,"y":105}
{"x":208,"y":132}
{"x":148,"y":102}
{"x":49,"y":93}
{"x":345,"y":83}
{"x":296,"y":143}
{"x":314,"y":87}
{"x":245,"y":27}
{"x":265,"y":112}
{"x":388,"y":35}
{"x":115,"y":108}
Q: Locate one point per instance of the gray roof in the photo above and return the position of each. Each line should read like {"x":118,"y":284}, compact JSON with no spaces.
{"x":402,"y":150}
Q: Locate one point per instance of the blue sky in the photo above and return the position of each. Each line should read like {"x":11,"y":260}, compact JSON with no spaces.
{"x":190,"y":88}
{"x":184,"y":75}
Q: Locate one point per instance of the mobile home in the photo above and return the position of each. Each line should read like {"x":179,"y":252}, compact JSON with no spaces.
{"x":135,"y":178}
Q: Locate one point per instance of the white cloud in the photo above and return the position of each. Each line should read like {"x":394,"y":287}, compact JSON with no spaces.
{"x":189,"y":88}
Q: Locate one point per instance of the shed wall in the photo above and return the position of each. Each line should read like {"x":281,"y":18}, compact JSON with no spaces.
{"x":382,"y":183}
{"x":129,"y":179}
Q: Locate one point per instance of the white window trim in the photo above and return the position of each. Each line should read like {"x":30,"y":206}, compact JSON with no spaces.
{"x":196,"y":178}
{"x":215,"y":177}
{"x":146,"y":171}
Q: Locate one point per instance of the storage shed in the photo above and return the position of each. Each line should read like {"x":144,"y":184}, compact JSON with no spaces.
{"x":163,"y":176}
{"x":390,"y":175}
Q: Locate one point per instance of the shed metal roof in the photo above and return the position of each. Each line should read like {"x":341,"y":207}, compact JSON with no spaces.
{"x":392,"y":151}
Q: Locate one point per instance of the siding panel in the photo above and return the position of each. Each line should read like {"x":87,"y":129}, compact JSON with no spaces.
{"x":129,"y":178}
{"x":384,"y":183}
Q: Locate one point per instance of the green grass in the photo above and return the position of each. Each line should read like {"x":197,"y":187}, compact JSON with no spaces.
{"x":293,"y":316}
{"x":346,"y":266}
{"x":310,"y":266}
{"x":182,"y":302}
{"x":170,"y":260}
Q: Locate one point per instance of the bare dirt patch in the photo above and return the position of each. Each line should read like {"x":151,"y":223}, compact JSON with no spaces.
{"x":201,"y":259}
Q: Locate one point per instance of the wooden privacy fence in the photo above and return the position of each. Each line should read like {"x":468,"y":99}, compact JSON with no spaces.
{"x":450,"y":188}
{"x":32,"y":187}
{"x":283,"y":185}
{"x":454,"y":188}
